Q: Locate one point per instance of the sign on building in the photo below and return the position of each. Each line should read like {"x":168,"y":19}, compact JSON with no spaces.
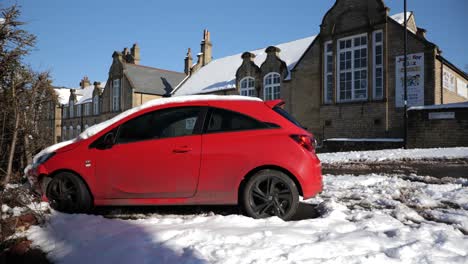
{"x":462,"y":89}
{"x":415,"y":81}
{"x":442,"y":115}
{"x":448,"y":79}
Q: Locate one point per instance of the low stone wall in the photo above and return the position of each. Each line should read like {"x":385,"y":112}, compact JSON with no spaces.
{"x":438,"y":127}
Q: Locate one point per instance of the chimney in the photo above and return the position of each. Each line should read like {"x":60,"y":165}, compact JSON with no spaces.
{"x":188,"y":62}
{"x":247,"y":56}
{"x":421,"y":32}
{"x":135,"y":52}
{"x":206,"y":48}
{"x":85,"y":82}
{"x":272,"y":50}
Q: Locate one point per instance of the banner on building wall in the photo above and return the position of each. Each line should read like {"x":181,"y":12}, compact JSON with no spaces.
{"x":415,"y":81}
{"x":462,"y":88}
{"x":448,"y":79}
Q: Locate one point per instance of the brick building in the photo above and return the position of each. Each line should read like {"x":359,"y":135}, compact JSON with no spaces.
{"x":345,"y":82}
{"x":129,"y":84}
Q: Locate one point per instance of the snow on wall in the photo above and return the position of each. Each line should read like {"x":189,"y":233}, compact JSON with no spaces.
{"x":393,"y":154}
{"x":220,"y":74}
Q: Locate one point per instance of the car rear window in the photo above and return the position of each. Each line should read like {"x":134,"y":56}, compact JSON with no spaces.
{"x":222,"y":120}
{"x":286,"y":115}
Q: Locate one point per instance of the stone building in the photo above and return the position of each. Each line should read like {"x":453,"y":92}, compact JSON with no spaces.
{"x":129,"y":84}
{"x":345,"y":82}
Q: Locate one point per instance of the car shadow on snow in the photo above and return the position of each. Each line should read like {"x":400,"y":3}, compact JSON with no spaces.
{"x":79,"y":238}
{"x":305,"y":211}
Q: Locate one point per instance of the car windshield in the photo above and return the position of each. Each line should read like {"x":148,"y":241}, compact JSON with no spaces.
{"x":286,"y":115}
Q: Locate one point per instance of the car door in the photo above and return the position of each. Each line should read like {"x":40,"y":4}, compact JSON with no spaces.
{"x":155,"y":155}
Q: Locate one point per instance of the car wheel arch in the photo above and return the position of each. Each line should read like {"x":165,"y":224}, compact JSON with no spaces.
{"x":55,"y":173}
{"x":252,"y":172}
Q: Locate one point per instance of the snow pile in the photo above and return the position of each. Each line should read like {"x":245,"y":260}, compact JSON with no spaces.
{"x":394,"y":154}
{"x":365,"y":219}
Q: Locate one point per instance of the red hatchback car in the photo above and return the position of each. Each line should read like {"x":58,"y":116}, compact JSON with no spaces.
{"x":185,"y":150}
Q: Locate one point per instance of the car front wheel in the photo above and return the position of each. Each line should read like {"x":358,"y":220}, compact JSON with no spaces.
{"x":270,"y":193}
{"x":68,"y":193}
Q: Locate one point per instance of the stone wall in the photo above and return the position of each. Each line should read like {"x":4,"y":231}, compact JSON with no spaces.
{"x":438,"y":128}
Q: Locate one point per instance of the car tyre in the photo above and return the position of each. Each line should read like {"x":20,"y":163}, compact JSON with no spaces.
{"x":270,"y":193}
{"x":68,"y":193}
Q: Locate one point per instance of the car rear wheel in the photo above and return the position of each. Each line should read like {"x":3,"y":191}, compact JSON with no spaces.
{"x":68,"y":193}
{"x":270,"y":193}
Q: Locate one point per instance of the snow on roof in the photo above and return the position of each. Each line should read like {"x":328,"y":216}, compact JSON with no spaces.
{"x":220,"y":74}
{"x":441,"y":106}
{"x":63,"y":95}
{"x":400,"y":17}
{"x":84,"y":95}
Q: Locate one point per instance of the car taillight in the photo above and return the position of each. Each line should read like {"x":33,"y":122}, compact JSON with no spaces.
{"x":305,"y":141}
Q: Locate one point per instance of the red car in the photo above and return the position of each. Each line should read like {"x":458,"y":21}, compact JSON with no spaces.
{"x":191,"y":150}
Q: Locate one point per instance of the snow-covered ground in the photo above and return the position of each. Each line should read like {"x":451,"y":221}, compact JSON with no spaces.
{"x":394,"y":154}
{"x":362,"y":219}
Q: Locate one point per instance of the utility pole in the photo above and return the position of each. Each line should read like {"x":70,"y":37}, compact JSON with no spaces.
{"x":405,"y":80}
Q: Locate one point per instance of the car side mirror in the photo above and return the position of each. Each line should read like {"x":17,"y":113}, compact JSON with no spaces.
{"x":108,"y":141}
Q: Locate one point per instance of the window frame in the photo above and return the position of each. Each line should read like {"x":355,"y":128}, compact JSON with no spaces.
{"x":248,"y":89}
{"x":375,"y":66}
{"x":272,"y":86}
{"x":327,"y":74}
{"x":116,"y":96}
{"x":210,"y":112}
{"x":352,"y":69}
{"x":197,"y":130}
{"x":96,"y":105}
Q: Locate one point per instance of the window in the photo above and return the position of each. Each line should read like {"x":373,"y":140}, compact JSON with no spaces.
{"x":65,"y":111}
{"x":86,"y":126}
{"x":247,"y":86}
{"x":352,"y":68}
{"x":160,"y":124}
{"x":70,"y":133}
{"x":87,"y":109}
{"x":78,"y":130}
{"x":71,"y":108}
{"x":64,"y":133}
{"x":378,"y":64}
{"x":78,"y":110}
{"x":272,"y":85}
{"x":116,"y":95}
{"x":96,"y":105}
{"x":328,"y":70}
{"x":224,"y":120}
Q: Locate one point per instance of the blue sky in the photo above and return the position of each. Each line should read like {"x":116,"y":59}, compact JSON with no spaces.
{"x":77,"y":38}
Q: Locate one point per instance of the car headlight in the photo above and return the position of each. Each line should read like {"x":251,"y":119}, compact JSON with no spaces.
{"x":44,"y":158}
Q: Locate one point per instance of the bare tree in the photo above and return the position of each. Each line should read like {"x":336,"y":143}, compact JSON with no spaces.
{"x":22,"y":94}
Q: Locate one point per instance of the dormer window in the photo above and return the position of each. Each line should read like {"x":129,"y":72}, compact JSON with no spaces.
{"x":247,"y":87}
{"x":272,"y":86}
{"x":116,"y":95}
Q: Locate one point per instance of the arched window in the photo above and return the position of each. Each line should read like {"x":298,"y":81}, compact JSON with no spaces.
{"x":72,"y":109}
{"x":96,"y":105}
{"x":78,"y":130}
{"x":64,"y":133}
{"x":86,"y":126}
{"x":247,"y":86}
{"x":271,"y":86}
{"x":71,"y":133}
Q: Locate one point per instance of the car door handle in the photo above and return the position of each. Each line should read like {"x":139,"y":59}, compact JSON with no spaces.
{"x":183,"y":149}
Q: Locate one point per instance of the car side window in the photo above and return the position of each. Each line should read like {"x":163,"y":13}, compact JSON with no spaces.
{"x":223,"y":120}
{"x":173,"y":122}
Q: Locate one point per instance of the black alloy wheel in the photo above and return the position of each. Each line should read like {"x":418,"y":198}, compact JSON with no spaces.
{"x":67,"y":193}
{"x":271,"y":193}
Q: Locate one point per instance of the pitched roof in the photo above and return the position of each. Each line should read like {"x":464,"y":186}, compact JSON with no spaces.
{"x":152,"y":80}
{"x":63,"y":95}
{"x":220,"y":74}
